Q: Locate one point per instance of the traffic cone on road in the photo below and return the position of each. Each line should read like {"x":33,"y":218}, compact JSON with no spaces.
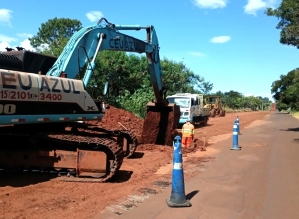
{"x":178,"y":198}
{"x":235,"y":138}
{"x":238,"y":125}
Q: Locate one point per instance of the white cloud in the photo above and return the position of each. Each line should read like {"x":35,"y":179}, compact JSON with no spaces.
{"x":5,"y":16}
{"x":213,"y":4}
{"x":254,"y":5}
{"x":5,"y":42}
{"x":3,"y":45}
{"x":4,"y":38}
{"x":43,"y":46}
{"x":26,"y":45}
{"x":25,"y":35}
{"x":220,"y":39}
{"x":12,"y":43}
{"x":94,"y":15}
{"x":198,"y":54}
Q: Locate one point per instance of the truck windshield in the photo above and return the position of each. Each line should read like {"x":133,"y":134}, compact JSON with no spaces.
{"x":182,"y":102}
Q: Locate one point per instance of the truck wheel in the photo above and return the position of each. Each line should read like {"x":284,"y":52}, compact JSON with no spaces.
{"x":205,"y":123}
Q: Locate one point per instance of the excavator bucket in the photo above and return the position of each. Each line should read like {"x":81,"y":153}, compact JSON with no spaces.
{"x":159,"y":123}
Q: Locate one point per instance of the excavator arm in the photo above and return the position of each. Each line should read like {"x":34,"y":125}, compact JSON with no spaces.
{"x":84,"y":46}
{"x":162,"y":118}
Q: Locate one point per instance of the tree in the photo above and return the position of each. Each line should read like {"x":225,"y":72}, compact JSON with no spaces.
{"x":286,"y":90}
{"x":288,"y":14}
{"x":119,"y":70}
{"x":233,"y":99}
{"x":178,"y":78}
{"x":53,"y":35}
{"x":206,"y":87}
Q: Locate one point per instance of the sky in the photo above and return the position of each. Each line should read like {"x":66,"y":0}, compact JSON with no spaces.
{"x":230,"y":43}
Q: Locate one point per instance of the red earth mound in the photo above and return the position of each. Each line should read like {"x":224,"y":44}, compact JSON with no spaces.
{"x":158,"y":124}
{"x":119,"y":119}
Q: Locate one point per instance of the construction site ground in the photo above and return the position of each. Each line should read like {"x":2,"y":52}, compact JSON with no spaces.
{"x":146,"y":174}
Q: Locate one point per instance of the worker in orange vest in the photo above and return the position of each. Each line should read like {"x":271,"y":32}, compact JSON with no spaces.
{"x":187,"y":133}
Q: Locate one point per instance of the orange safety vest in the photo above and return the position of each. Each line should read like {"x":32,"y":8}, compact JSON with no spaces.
{"x":188,"y":130}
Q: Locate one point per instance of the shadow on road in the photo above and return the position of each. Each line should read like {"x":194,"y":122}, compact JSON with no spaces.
{"x":191,"y":194}
{"x":290,"y":129}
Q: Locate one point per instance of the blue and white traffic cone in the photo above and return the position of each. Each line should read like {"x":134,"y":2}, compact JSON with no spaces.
{"x":235,"y":138}
{"x":238,"y":125}
{"x":178,"y":198}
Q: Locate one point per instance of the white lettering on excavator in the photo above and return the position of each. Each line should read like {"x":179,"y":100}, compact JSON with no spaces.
{"x":9,"y":81}
{"x":71,"y":86}
{"x":7,"y":108}
{"x":129,"y":45}
{"x":13,"y":81}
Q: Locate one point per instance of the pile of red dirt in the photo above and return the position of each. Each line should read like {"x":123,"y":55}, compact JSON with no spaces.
{"x":157,"y":129}
{"x":119,"y":119}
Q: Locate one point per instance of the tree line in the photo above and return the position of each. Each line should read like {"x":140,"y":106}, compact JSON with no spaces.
{"x":125,"y":76}
{"x":285,"y":90}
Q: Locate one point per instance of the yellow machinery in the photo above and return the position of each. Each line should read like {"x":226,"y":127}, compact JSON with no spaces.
{"x":215,"y":106}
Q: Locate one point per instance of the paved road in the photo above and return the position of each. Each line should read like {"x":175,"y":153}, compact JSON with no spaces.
{"x":260,"y":181}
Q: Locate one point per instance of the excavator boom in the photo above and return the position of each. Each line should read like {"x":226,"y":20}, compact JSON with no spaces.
{"x":161,"y":117}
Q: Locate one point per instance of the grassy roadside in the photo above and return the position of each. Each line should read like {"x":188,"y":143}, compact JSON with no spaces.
{"x":295,"y":114}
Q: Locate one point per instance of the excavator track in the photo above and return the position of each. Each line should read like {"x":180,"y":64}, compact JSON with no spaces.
{"x":126,"y":138}
{"x":132,"y":141}
{"x":93,"y":143}
{"x":65,"y":144}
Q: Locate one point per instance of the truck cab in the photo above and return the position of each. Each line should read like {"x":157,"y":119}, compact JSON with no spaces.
{"x":191,"y":107}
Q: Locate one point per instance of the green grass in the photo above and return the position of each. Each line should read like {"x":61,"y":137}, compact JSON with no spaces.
{"x":295,"y":114}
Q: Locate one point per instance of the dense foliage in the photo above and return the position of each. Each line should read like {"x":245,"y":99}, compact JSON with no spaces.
{"x":288,"y":15}
{"x":236,"y":100}
{"x":53,"y":35}
{"x":286,"y":91}
{"x":127,"y":75}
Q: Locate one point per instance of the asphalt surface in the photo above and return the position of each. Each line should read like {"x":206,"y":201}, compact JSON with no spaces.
{"x":259,"y":181}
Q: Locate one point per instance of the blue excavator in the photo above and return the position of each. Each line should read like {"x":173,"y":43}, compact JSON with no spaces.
{"x":44,"y":109}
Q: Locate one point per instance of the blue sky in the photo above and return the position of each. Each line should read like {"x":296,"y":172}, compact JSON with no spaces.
{"x":230,"y":43}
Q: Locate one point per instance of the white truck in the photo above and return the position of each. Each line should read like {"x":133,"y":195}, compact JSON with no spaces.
{"x":191,"y":107}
